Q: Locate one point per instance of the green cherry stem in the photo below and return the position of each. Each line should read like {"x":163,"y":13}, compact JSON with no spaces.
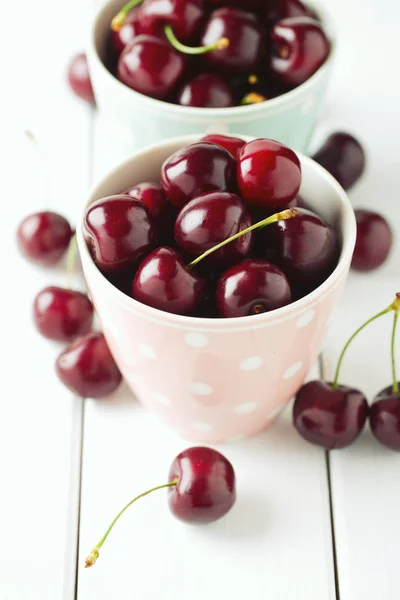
{"x":395,"y":306}
{"x":289,"y":213}
{"x":94,"y":555}
{"x":173,"y":40}
{"x":119,"y":19}
{"x":71,"y":255}
{"x":395,"y":386}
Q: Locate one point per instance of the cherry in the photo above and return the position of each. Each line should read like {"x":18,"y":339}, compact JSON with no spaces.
{"x":79,"y":78}
{"x":87,"y":367}
{"x":250,"y":288}
{"x":232,"y":144}
{"x":201,"y":489}
{"x":44,"y":237}
{"x":151,"y":66}
{"x":245,"y":37}
{"x":184,"y":16}
{"x":343,"y":156}
{"x":131,"y":28}
{"x":299,"y":48}
{"x":208,"y":220}
{"x":206,"y":90}
{"x":248,"y":5}
{"x":163,"y":282}
{"x":195,"y":169}
{"x":152,"y":195}
{"x":374,"y":240}
{"x":284,"y":9}
{"x":61,"y":314}
{"x":268,"y":174}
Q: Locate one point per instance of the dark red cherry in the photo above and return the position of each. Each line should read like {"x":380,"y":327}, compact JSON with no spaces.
{"x":163,"y":281}
{"x":87,"y":367}
{"x":184,"y":16}
{"x":246,"y":41}
{"x":247,"y":5}
{"x":384,"y":418}
{"x":127,"y":33}
{"x":206,"y":90}
{"x":196,"y":169}
{"x":206,"y":487}
{"x":328,"y":417}
{"x":209,"y":219}
{"x":299,"y":48}
{"x":305,"y":248}
{"x":374,"y":240}
{"x":119,"y":232}
{"x":250,"y":288}
{"x":152,"y":195}
{"x":79,"y":78}
{"x":268,"y":174}
{"x":44,"y":237}
{"x":284,"y":9}
{"x":232,"y":144}
{"x":61,"y":314}
{"x":151,"y":66}
{"x":343,"y":156}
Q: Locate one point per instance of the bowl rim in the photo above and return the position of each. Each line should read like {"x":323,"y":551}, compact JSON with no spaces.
{"x":234,"y":111}
{"x":211,"y":324}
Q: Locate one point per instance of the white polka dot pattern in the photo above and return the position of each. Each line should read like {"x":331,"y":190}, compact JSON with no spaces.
{"x":252,"y":363}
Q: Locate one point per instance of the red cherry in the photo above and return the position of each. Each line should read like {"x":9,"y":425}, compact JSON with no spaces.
{"x":127,"y":33}
{"x":151,"y":66}
{"x":119,"y":232}
{"x":299,"y":48}
{"x":79,"y":78}
{"x":184,"y":16}
{"x":250,"y":288}
{"x":343,"y":156}
{"x":152,"y":195}
{"x":232,"y":144}
{"x":268,"y":173}
{"x":384,"y":418}
{"x":44,"y":237}
{"x":206,"y":90}
{"x":329,"y":417}
{"x":284,"y":9}
{"x":210,"y":219}
{"x":61,"y":314}
{"x":206,"y":487}
{"x":374,"y":241}
{"x":87,"y":367}
{"x":163,"y":282}
{"x":247,"y":5}
{"x":196,"y":169}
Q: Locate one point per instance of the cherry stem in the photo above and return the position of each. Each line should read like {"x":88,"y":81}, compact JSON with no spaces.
{"x":71,"y":255}
{"x":289,"y":213}
{"x":395,"y":386}
{"x":395,"y":306}
{"x":119,"y":19}
{"x":252,"y":98}
{"x":93,"y":556}
{"x":173,"y":40}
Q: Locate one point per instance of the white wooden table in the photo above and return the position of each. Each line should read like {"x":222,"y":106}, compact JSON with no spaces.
{"x":307,"y":525}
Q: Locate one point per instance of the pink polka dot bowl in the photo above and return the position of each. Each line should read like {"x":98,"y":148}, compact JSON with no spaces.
{"x":216,"y":380}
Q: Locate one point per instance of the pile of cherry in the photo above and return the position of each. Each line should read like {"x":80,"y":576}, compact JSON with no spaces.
{"x":215,"y":53}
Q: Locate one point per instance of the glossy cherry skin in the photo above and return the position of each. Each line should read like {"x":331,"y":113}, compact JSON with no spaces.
{"x":232,"y":144}
{"x":327,"y":417}
{"x":268,"y":174}
{"x":128,"y":32}
{"x":209,"y":219}
{"x":196,"y":169}
{"x":87,"y":367}
{"x":250,"y":288}
{"x":299,"y":48}
{"x":384,"y":418}
{"x":151,"y":66}
{"x":163,"y":281}
{"x":284,"y":9}
{"x":152,"y":195}
{"x":44,"y":237}
{"x":119,"y":232}
{"x":374,"y":240}
{"x":79,"y":78}
{"x":206,"y":90}
{"x":62,"y":315}
{"x":246,"y":41}
{"x":185,"y":17}
{"x":206,"y":488}
{"x":343,"y":156}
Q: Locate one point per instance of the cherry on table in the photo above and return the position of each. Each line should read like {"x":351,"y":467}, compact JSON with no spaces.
{"x":384,"y":418}
{"x":196,"y":169}
{"x":79,"y":78}
{"x":232,"y":144}
{"x":299,"y":48}
{"x":206,"y":90}
{"x":344,"y":157}
{"x":373,"y":242}
{"x":44,"y":237}
{"x":184,"y":16}
{"x":61,"y":314}
{"x":87,"y":367}
{"x":119,"y":232}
